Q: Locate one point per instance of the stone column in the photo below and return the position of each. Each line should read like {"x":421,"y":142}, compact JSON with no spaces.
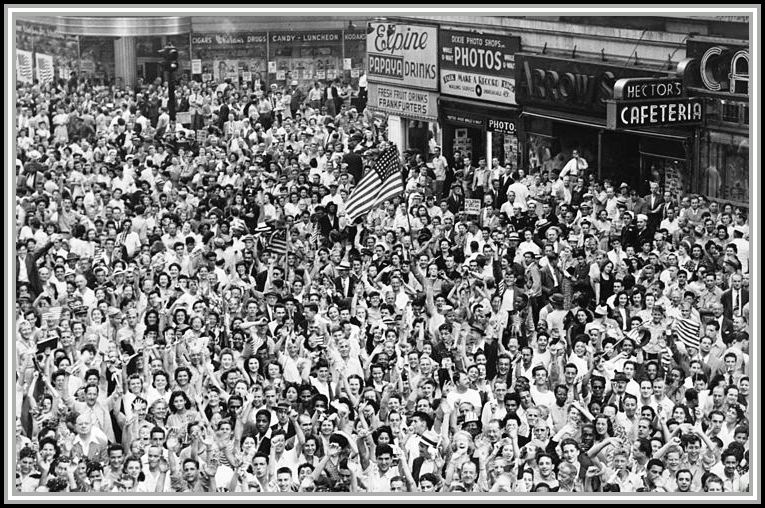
{"x":125,"y":62}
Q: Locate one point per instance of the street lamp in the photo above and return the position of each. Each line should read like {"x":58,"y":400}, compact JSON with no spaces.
{"x":170,"y":65}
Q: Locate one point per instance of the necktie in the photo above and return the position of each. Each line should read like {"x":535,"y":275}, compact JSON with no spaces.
{"x":621,"y":403}
{"x":730,"y":379}
{"x":736,"y":302}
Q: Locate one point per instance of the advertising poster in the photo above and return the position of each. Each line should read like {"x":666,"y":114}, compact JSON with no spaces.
{"x":403,"y":54}
{"x":417,"y":104}
{"x":478,"y":66}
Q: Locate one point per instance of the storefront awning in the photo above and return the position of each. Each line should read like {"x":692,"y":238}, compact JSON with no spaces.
{"x":561,"y":116}
{"x":478,"y":107}
{"x":598,"y":123}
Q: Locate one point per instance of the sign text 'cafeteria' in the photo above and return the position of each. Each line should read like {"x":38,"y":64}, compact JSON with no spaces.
{"x":655,"y":113}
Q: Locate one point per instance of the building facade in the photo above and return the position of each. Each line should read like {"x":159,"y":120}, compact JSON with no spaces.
{"x":525,"y":90}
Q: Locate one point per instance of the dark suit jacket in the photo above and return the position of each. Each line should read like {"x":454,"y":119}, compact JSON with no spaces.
{"x":223,"y":115}
{"x":31,"y":263}
{"x":352,"y":280}
{"x":290,"y":429}
{"x":727,"y":302}
{"x":355,"y":165}
{"x":326,"y":225}
{"x":260,"y":281}
{"x":658,"y":207}
{"x":548,"y":284}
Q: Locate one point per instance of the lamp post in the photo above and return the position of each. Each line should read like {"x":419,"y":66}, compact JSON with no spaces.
{"x":170,"y":65}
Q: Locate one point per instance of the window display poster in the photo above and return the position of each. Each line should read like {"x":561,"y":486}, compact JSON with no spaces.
{"x":233,"y":69}
{"x":248,"y":49}
{"x":64,"y":49}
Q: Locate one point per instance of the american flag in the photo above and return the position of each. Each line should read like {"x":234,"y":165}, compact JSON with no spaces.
{"x":44,"y":68}
{"x":315,"y":236}
{"x":24,"y":67}
{"x":383,"y":182}
{"x":278,"y":241}
{"x":688,"y":331}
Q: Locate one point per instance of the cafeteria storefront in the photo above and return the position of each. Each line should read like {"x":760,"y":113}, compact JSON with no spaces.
{"x":564,"y":108}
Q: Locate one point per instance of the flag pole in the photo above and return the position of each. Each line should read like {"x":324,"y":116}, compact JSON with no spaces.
{"x":289,"y":245}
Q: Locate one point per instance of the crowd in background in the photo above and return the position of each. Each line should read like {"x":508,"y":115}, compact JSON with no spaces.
{"x":574,"y":335}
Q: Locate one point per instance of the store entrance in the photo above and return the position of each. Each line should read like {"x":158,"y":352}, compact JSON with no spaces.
{"x":620,"y":159}
{"x":461,"y":141}
{"x":418,"y":135}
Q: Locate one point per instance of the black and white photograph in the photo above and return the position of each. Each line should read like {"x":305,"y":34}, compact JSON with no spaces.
{"x":372,"y":254}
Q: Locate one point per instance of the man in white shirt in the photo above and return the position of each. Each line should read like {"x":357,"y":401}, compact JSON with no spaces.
{"x":440,"y":165}
{"x":521,"y":192}
{"x":378,"y":473}
{"x":541,"y":394}
{"x":153,"y":473}
{"x":575,"y":165}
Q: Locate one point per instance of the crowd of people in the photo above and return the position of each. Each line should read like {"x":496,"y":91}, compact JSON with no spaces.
{"x":577,"y":335}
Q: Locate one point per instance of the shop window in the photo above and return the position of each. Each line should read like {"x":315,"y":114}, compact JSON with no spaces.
{"x":671,"y":173}
{"x":418,"y":136}
{"x":505,"y":148}
{"x":725,"y":167}
{"x":541,"y":151}
{"x":467,"y":143}
{"x":734,"y":112}
{"x":307,"y":62}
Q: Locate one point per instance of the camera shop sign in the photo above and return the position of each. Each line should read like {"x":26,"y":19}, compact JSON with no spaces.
{"x":478,"y":66}
{"x":654,"y":113}
{"x":402,"y":54}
